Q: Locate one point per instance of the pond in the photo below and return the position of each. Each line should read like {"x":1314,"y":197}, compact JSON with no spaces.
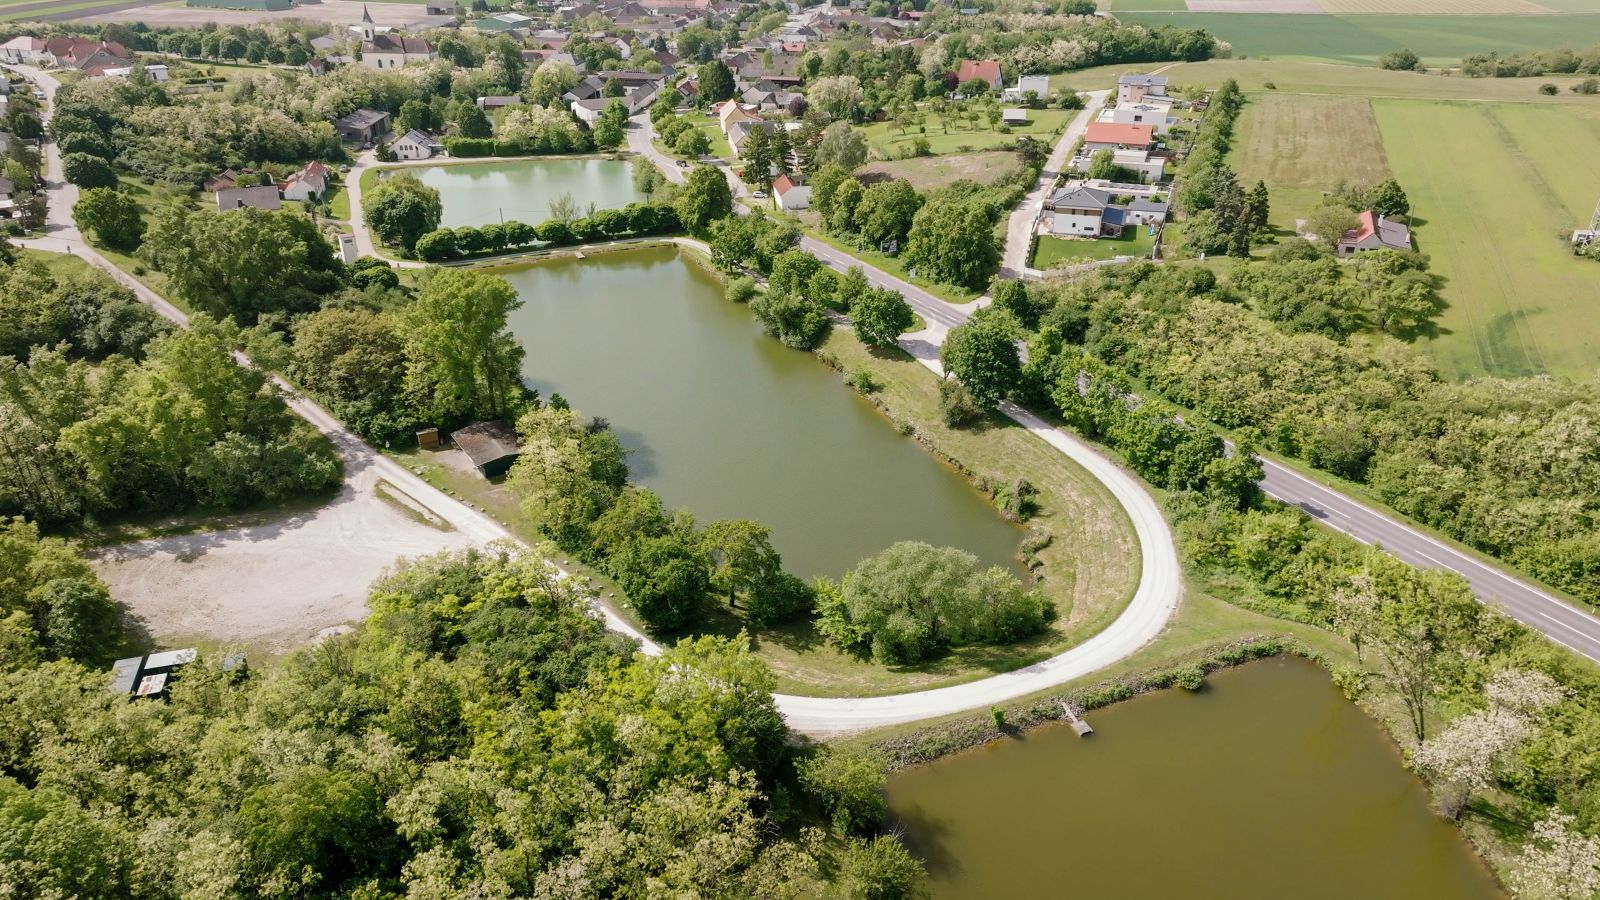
{"x":522,"y":191}
{"x":1267,"y":784}
{"x":728,"y":423}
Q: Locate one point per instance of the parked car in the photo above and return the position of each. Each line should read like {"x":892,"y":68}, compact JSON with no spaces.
{"x":760,"y":195}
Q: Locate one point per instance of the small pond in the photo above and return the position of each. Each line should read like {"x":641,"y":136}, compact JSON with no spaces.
{"x":1267,"y":784}
{"x":728,"y":423}
{"x":522,"y":190}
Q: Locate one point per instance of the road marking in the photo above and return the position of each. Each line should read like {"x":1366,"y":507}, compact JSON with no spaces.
{"x":1565,"y":625}
{"x":1430,"y":559}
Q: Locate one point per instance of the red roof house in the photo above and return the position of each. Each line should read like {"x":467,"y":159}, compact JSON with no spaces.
{"x":986,"y":70}
{"x":1374,"y":232}
{"x":1109,"y":135}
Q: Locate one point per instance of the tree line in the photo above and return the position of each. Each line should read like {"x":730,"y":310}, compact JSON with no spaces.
{"x":479,"y":735}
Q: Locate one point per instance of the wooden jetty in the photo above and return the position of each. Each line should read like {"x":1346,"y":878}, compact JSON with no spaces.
{"x":1075,"y":720}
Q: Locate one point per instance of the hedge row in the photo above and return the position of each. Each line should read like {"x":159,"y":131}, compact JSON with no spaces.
{"x":633,"y":220}
{"x":466,"y":147}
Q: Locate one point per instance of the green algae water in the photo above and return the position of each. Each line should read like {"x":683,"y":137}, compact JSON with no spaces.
{"x":481,"y":193}
{"x":728,"y":423}
{"x":1267,"y":784}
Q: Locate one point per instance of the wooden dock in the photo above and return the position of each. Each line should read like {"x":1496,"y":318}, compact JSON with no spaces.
{"x":1075,"y":720}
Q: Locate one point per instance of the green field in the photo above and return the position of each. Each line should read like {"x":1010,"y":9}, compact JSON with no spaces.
{"x":887,"y":141}
{"x":1301,"y":146}
{"x":1439,"y":40}
{"x":1300,"y":77}
{"x":1496,"y":187}
{"x":1052,"y":251}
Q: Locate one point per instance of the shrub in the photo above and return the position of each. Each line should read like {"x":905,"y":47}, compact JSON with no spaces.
{"x":956,"y":406}
{"x":1549,"y":90}
{"x":741,"y":289}
{"x":1192,"y":678}
{"x":864,"y":381}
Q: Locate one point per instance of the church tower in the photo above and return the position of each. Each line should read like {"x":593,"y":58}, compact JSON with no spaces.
{"x":368,"y":29}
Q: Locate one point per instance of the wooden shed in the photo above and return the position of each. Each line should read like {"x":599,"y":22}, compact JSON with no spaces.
{"x":492,"y":446}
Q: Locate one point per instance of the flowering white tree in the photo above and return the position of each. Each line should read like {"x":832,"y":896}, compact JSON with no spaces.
{"x":1523,"y":691}
{"x":1560,"y":863}
{"x":1464,"y":759}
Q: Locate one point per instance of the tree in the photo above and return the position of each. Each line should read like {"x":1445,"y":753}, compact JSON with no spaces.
{"x":1387,"y":198}
{"x":850,"y":785}
{"x":879,"y":316}
{"x":402,"y":209}
{"x":692,"y":142}
{"x":87,"y":171}
{"x":1329,"y":221}
{"x":461,"y":363}
{"x":841,"y":146}
{"x":1403,"y":60}
{"x":1559,"y":863}
{"x":838,"y":96}
{"x":741,"y":556}
{"x":1423,"y":622}
{"x":608,"y":132}
{"x":1012,"y":296}
{"x":983,"y":355}
{"x":667,"y":579}
{"x":825,"y":181}
{"x":886,"y":212}
{"x":716,"y":82}
{"x":842,"y":208}
{"x":472,"y":122}
{"x":414,"y":114}
{"x":953,"y":241}
{"x":1258,"y":208}
{"x":705,"y":198}
{"x":243,"y":262}
{"x":112,"y":216}
{"x":1103,"y":165}
{"x":879,"y":868}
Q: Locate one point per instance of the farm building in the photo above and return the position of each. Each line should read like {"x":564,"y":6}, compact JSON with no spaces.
{"x":491,"y":446}
{"x":362,"y":126}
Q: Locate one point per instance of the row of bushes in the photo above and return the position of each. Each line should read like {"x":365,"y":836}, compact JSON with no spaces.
{"x":633,"y":220}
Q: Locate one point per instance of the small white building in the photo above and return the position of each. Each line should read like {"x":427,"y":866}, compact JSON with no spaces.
{"x":1038,"y":85}
{"x":156,"y":72}
{"x":309,"y":184}
{"x":589,"y":111}
{"x":414,"y":144}
{"x":1151,"y":167}
{"x":1157,"y":115}
{"x":1013,"y":116}
{"x":789,"y":196}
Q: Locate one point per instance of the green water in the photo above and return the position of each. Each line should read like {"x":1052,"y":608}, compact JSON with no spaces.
{"x":480,"y":193}
{"x":1268,"y":784}
{"x":728,"y":423}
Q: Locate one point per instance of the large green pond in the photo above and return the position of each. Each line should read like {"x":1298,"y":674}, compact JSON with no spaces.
{"x":728,"y":423}
{"x":522,"y":191}
{"x":1268,"y":784}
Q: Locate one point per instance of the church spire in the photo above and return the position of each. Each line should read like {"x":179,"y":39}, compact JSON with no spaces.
{"x":366,"y":15}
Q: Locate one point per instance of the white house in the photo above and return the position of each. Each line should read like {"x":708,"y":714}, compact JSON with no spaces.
{"x":414,"y":144}
{"x":589,"y":111}
{"x":1135,"y":88}
{"x":1157,"y":115}
{"x":1082,"y":211}
{"x":308,"y":184}
{"x":788,"y":196}
{"x":1150,"y":167}
{"x":156,"y":72}
{"x":24,"y":50}
{"x":1039,"y":85}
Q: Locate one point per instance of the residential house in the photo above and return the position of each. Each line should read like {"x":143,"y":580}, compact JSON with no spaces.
{"x":1135,"y":88}
{"x":262,"y":196}
{"x":1158,"y":115}
{"x":388,"y":51}
{"x":1082,"y":211}
{"x":1111,"y":136}
{"x":308,"y":185}
{"x":1152,"y":167}
{"x":227,"y":178}
{"x":985,"y":70}
{"x":740,"y":131}
{"x":156,"y":72}
{"x":668,"y":62}
{"x":317,"y":66}
{"x":589,"y":111}
{"x":364,"y":126}
{"x":102,"y":62}
{"x":72,"y":52}
{"x":1374,"y":232}
{"x":789,"y":196}
{"x":24,"y":51}
{"x":415,"y":144}
{"x":1038,"y":85}
{"x":729,"y":112}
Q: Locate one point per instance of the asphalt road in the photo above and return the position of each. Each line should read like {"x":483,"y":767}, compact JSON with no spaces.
{"x":1558,"y":620}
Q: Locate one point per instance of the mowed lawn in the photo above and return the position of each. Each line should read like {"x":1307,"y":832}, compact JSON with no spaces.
{"x":887,"y":142}
{"x":1439,"y":40}
{"x":1302,"y":146}
{"x":1495,"y":188}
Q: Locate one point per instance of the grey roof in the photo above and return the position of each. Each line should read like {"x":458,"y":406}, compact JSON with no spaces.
{"x":418,"y":137}
{"x":7,"y":186}
{"x":1147,"y":206}
{"x":261,"y":196}
{"x":1084,"y":197}
{"x":485,"y":442}
{"x":361,"y":118}
{"x":1155,"y":80}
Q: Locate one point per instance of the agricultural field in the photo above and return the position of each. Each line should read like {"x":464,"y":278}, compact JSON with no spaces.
{"x":1361,"y":39}
{"x":1494,"y":220}
{"x":1299,"y":77}
{"x":887,"y":141}
{"x":929,"y":172}
{"x":1303,"y":145}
